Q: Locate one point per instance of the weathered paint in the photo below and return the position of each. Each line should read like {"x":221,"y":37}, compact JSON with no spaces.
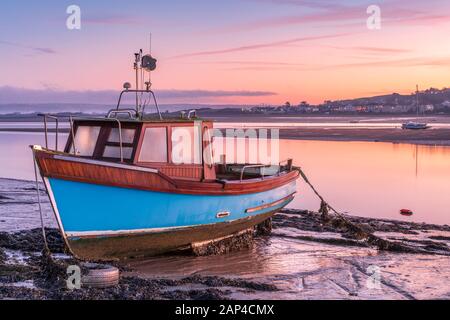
{"x":146,"y":244}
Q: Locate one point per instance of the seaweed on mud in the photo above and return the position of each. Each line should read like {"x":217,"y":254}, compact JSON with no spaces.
{"x":10,"y":273}
{"x":2,"y":256}
{"x":49,"y":276}
{"x":223,"y":246}
{"x":361,"y":231}
{"x":32,"y":240}
{"x":213,"y":281}
{"x":206,"y":294}
{"x":443,"y":238}
{"x":128,"y":288}
{"x":20,"y":293}
{"x":52,"y":273}
{"x":332,"y":241}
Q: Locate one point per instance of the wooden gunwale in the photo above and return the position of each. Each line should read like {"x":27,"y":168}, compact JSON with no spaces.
{"x":134,"y":179}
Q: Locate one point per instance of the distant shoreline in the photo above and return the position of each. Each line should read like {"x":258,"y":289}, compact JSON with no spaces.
{"x":238,"y":116}
{"x":430,"y":137}
{"x":354,"y":131}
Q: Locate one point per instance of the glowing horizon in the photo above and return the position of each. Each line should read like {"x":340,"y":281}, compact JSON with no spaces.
{"x":238,"y":52}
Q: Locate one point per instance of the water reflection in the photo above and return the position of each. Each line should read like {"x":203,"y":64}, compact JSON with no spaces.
{"x":375,"y":179}
{"x":362,"y":178}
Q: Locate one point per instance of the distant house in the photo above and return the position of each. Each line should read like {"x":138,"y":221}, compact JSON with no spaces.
{"x":428,"y":108}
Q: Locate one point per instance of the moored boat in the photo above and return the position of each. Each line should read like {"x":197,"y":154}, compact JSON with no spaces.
{"x":416,"y":125}
{"x":118,"y":189}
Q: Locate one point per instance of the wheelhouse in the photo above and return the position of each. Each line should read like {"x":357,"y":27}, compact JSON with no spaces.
{"x":179,"y":149}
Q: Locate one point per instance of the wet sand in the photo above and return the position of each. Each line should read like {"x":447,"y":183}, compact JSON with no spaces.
{"x":337,"y":128}
{"x":432,"y":136}
{"x":303,"y":258}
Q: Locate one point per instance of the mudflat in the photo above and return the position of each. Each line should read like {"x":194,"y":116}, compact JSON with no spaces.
{"x":432,"y":136}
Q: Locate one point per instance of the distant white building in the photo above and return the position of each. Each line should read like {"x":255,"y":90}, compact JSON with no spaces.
{"x":428,"y":107}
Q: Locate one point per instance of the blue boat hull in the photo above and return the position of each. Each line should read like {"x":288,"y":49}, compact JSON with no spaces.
{"x":104,"y":222}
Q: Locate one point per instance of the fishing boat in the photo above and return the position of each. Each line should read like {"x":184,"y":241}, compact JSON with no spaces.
{"x":118,"y":192}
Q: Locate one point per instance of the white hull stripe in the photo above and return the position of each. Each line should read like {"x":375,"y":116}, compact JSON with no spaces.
{"x":104,"y":163}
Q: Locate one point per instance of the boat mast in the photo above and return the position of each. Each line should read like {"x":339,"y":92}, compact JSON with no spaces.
{"x":136,"y":67}
{"x":142,"y":63}
{"x":417,"y":100}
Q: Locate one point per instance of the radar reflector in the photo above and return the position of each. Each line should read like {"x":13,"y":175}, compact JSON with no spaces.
{"x":148,"y":63}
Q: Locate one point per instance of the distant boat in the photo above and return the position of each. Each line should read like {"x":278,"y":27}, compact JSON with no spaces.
{"x":415,"y":125}
{"x":406,"y":212}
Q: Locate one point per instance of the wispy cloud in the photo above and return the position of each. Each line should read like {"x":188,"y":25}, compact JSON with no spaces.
{"x":254,"y":63}
{"x":113,"y":20}
{"x":260,"y":45}
{"x":421,"y":18}
{"x":22,"y":95}
{"x":393,"y":12}
{"x":332,"y":16}
{"x":393,"y":63}
{"x":407,"y":62}
{"x":373,"y":50}
{"x":317,"y":4}
{"x":40,"y":50}
{"x":381,"y":50}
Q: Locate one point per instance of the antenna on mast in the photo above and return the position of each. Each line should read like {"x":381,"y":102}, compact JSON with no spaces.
{"x":150,"y":52}
{"x":137,"y":59}
{"x":143,"y":63}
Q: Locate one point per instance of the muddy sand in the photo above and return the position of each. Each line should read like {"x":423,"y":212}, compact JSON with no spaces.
{"x":304,"y":257}
{"x":432,"y":136}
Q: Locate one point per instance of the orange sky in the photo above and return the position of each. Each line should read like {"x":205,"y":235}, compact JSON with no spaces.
{"x":290,"y":50}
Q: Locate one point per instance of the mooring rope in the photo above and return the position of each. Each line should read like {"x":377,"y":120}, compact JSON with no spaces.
{"x":46,"y":248}
{"x":382,"y":244}
{"x":324,"y":206}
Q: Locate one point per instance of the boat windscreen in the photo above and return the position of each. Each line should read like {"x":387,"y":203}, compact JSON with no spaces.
{"x":86,"y":139}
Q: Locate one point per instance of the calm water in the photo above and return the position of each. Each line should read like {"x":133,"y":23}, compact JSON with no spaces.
{"x":370,"y":179}
{"x":361,"y":178}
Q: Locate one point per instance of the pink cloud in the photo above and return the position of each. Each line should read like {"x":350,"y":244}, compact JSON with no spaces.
{"x":392,"y":13}
{"x":374,"y":50}
{"x":259,"y":45}
{"x":317,"y":4}
{"x":410,"y":62}
{"x":41,"y":50}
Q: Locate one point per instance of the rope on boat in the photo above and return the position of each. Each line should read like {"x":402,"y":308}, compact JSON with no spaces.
{"x":356,"y":229}
{"x":46,"y":248}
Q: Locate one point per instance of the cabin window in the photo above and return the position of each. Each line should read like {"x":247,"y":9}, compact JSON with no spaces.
{"x":154,"y":145}
{"x":85,"y":140}
{"x":186,"y":145}
{"x":114,"y":152}
{"x":112,"y":145}
{"x":127,"y":135}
